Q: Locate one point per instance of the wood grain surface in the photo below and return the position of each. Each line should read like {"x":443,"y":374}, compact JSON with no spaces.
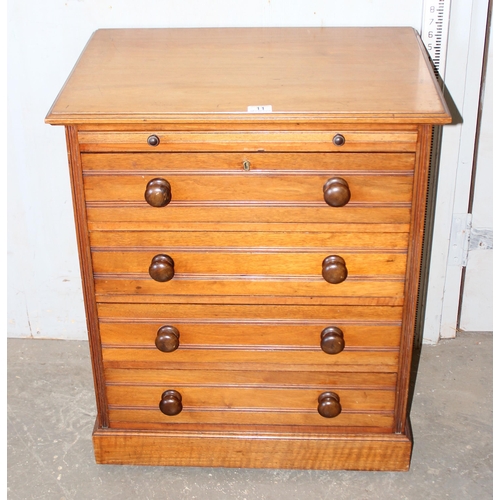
{"x":373,"y":422}
{"x":284,"y":241}
{"x":251,"y":313}
{"x":222,"y":262}
{"x":136,"y":216}
{"x":278,"y":359}
{"x":249,"y":187}
{"x":263,"y":336}
{"x":346,"y":74}
{"x":397,"y":140}
{"x":251,"y":378}
{"x":249,"y":206}
{"x":270,"y":450}
{"x":286,"y":162}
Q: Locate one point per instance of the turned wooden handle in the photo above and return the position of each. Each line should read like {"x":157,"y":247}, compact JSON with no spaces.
{"x":158,"y":192}
{"x":332,"y":340}
{"x":171,"y":403}
{"x":336,"y":192}
{"x":334,"y":269}
{"x":162,"y":268}
{"x":329,"y":405}
{"x":167,"y":338}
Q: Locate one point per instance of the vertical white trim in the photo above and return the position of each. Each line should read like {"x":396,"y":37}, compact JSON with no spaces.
{"x":462,"y":81}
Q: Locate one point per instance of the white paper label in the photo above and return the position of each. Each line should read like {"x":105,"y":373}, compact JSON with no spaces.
{"x":260,"y":109}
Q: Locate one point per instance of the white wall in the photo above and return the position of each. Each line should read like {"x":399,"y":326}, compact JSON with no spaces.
{"x":462,"y":78}
{"x":44,"y":40}
{"x":477,"y":300}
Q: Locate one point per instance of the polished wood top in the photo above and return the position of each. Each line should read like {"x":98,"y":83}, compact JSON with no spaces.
{"x":344,"y":75}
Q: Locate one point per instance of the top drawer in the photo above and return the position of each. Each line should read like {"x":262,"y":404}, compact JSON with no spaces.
{"x":320,"y":141}
{"x":370,"y":178}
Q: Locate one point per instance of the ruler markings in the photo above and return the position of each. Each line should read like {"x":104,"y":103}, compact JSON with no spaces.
{"x":435,"y":32}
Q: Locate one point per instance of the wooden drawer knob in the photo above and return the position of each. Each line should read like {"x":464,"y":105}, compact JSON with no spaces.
{"x":334,"y":269}
{"x":336,"y":192}
{"x":162,"y":268}
{"x":167,"y":338}
{"x":339,"y":140}
{"x":158,"y":192}
{"x":153,"y":140}
{"x":332,"y":340}
{"x":171,"y":403}
{"x":329,"y":405}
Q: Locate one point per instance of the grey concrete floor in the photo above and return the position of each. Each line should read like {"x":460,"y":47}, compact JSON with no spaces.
{"x":51,"y":412}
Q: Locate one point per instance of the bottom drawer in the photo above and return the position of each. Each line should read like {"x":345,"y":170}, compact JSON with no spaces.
{"x":252,"y":398}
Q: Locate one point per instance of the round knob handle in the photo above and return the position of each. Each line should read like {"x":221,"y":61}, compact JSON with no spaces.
{"x":153,"y":140}
{"x":336,"y":192}
{"x":158,"y":192}
{"x":171,"y":403}
{"x":334,"y":269}
{"x":167,"y":338}
{"x":339,"y":140}
{"x":162,"y":268}
{"x":329,"y":405}
{"x":332,"y":340}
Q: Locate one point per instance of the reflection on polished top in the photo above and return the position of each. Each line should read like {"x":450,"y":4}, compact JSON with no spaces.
{"x":344,"y":74}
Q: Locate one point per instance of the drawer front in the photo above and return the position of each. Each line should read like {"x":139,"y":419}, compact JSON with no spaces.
{"x":256,"y":336}
{"x":257,"y":163}
{"x":355,"y":390}
{"x":271,"y":337}
{"x":254,"y":406}
{"x":375,"y":188}
{"x":243,"y":398}
{"x":250,"y":406}
{"x":352,"y":140}
{"x":258,"y":274}
{"x":220,"y":263}
{"x":247,"y":188}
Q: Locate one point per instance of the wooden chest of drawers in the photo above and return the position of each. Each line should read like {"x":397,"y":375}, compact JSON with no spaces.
{"x":249,"y":208}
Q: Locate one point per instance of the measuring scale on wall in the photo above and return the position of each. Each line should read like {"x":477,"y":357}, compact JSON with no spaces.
{"x":435,"y":23}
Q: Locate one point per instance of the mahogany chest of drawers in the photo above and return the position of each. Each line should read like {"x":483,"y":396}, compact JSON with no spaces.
{"x":249,"y":208}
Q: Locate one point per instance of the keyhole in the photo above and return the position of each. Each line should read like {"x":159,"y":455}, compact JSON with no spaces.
{"x":246,"y":165}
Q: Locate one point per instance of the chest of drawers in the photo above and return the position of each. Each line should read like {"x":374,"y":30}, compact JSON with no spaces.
{"x":249,"y":208}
